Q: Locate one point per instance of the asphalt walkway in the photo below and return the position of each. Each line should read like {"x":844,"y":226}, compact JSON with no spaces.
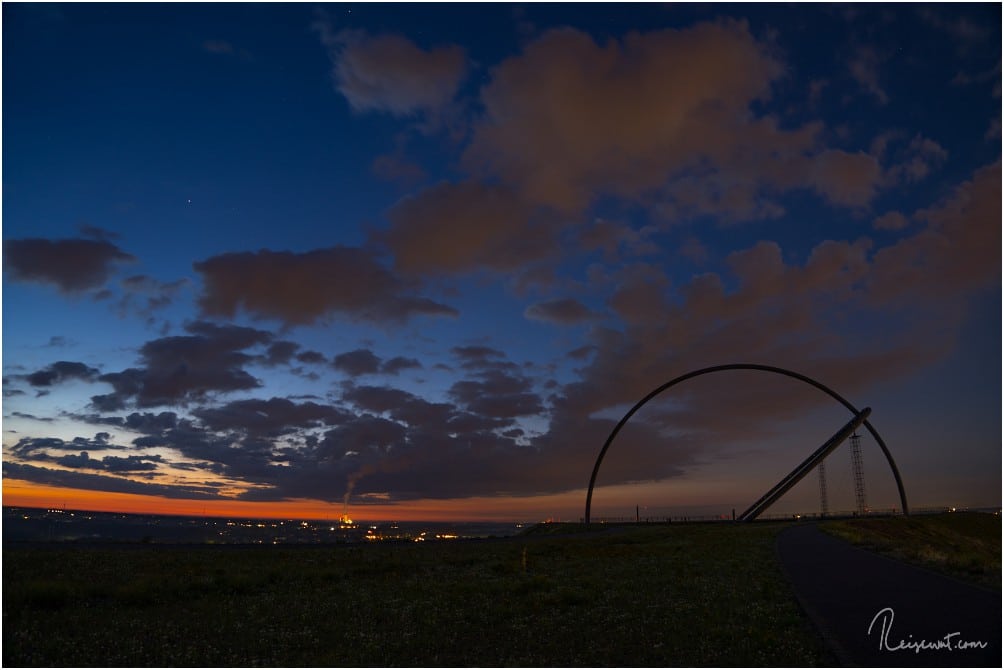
{"x":917,"y":618}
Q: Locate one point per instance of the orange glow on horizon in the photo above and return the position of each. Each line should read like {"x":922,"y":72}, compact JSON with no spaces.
{"x":20,"y":493}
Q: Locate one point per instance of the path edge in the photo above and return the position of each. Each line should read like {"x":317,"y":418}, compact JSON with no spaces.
{"x":837,"y":649}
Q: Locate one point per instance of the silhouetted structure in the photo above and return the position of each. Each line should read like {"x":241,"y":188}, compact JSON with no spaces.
{"x":804,"y":468}
{"x":857,"y":466}
{"x":742,"y":366}
{"x":824,"y":503}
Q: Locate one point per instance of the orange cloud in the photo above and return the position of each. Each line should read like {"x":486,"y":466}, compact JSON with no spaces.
{"x":569,"y":118}
{"x":959,"y":248}
{"x":462,"y":227}
{"x":846,"y":179}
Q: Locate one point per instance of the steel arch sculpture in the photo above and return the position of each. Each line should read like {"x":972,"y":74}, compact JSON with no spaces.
{"x":744,"y":366}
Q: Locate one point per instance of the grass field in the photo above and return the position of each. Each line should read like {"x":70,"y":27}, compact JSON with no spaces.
{"x":691,"y":595}
{"x":966,"y":545}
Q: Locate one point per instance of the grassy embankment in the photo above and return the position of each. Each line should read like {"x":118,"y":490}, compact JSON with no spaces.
{"x":965,"y":545}
{"x":694,"y":595}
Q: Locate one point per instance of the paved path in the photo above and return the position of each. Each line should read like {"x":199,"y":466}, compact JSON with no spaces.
{"x":845,"y":590}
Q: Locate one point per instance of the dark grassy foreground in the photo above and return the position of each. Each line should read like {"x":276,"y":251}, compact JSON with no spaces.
{"x":704,"y":595}
{"x":965,"y":545}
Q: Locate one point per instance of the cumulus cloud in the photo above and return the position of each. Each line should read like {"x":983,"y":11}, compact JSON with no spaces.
{"x":402,"y":446}
{"x":404,"y":407}
{"x":141,"y":422}
{"x":920,"y":157}
{"x":798,"y":315}
{"x":34,"y":446}
{"x":71,"y":265}
{"x":665,"y":119}
{"x":640,"y":293}
{"x":569,"y":118}
{"x":610,"y":237}
{"x":302,"y":288}
{"x":390,"y":73}
{"x":183,"y":368}
{"x":957,"y":250}
{"x":130,"y":463}
{"x":110,"y":463}
{"x":562,"y":311}
{"x":380,"y":440}
{"x":497,"y":394}
{"x":269,"y":418}
{"x":398,"y":364}
{"x":76,"y":454}
{"x":462,"y":227}
{"x":891,"y":221}
{"x":392,"y":442}
{"x":59,"y":372}
{"x":380,"y":399}
{"x":279,"y":353}
{"x":478,"y":356}
{"x":846,"y":179}
{"x":356,"y":363}
{"x":311,"y":357}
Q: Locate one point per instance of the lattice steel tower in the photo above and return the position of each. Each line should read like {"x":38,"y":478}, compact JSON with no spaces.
{"x":824,"y":503}
{"x":859,"y":474}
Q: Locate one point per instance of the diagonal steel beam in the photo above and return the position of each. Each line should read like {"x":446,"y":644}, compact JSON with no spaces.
{"x":805,"y":467}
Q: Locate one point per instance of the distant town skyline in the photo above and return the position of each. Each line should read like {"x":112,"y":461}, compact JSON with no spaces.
{"x":416,"y":260}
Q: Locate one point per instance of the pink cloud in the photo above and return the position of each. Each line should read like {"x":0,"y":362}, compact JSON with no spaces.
{"x":390,"y":73}
{"x":570,"y":117}
{"x":799,"y":315}
{"x":663,"y":120}
{"x":891,"y":221}
{"x":463,"y":227}
{"x":846,"y":179}
{"x":958,"y":249}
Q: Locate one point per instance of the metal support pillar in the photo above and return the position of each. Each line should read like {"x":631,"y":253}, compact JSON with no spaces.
{"x":804,"y":468}
{"x":824,"y":503}
{"x":857,"y":465}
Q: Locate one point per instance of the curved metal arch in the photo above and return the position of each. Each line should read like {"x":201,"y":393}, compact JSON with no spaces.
{"x":744,"y":366}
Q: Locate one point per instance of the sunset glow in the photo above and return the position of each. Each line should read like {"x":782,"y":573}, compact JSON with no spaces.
{"x":565,"y":507}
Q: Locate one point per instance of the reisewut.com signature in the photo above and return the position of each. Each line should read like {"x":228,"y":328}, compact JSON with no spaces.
{"x":948,"y":642}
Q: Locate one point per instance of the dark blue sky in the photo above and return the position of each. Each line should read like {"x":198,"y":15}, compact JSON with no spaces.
{"x":426,"y":253}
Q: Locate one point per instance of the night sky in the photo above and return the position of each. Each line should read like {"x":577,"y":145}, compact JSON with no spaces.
{"x":266,"y":258}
